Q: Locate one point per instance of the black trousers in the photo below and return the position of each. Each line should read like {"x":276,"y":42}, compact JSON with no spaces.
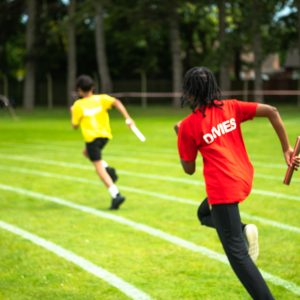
{"x":226,"y":219}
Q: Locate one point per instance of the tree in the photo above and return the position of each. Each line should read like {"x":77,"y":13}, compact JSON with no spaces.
{"x":261,"y":16}
{"x":103,"y":70}
{"x":71,"y":52}
{"x":158,"y":39}
{"x":175,"y":45}
{"x":298,"y":14}
{"x":29,"y":88}
{"x":257,"y":48}
{"x":11,"y":37}
{"x":225,"y":61}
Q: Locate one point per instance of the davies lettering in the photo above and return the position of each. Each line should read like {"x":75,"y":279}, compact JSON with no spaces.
{"x":220,"y":129}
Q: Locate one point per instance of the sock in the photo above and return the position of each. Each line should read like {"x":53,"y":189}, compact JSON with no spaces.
{"x":104,"y":163}
{"x":113,"y":190}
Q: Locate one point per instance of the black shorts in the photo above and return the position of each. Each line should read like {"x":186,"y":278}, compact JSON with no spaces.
{"x":95,"y":147}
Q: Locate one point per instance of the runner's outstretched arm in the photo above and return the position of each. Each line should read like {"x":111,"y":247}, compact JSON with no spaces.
{"x":271,"y":112}
{"x":121,"y":108}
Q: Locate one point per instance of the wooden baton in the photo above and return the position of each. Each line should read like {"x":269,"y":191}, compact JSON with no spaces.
{"x":290,"y":170}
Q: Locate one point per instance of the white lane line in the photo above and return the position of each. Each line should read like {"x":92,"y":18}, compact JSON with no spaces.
{"x":117,"y":282}
{"x":268,"y":165}
{"x":169,"y":152}
{"x":275,"y":178}
{"x":117,"y":157}
{"x":255,"y":163}
{"x":143,"y":161}
{"x":142,"y":175}
{"x":271,"y":222}
{"x":291,"y":286}
{"x":78,"y":147}
{"x":111,"y":156}
{"x":97,"y":183}
{"x":275,"y":195}
{"x":89,"y":167}
{"x":147,"y":193}
{"x":259,"y":160}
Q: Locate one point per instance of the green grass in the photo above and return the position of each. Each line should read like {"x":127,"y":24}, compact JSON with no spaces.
{"x":44,"y":142}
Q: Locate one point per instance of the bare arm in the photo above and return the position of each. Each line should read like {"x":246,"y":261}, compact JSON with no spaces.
{"x":75,"y":126}
{"x":273,"y":115}
{"x":176,"y":127}
{"x":121,"y":108}
{"x":189,"y":167}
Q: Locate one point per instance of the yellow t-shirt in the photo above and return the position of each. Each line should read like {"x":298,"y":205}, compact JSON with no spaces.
{"x":92,"y":116}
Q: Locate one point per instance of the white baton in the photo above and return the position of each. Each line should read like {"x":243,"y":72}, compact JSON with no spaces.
{"x":137,"y":132}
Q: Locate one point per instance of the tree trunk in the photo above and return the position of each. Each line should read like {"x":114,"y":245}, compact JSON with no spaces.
{"x":29,"y":85}
{"x":176,"y":56}
{"x":71,"y":51}
{"x":224,"y":67}
{"x":106,"y":84}
{"x":237,"y":64}
{"x":257,"y":49}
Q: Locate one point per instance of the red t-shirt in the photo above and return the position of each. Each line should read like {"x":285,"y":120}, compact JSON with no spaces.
{"x":228,"y":171}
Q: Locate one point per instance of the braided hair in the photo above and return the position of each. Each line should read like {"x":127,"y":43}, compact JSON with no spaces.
{"x":200,"y":89}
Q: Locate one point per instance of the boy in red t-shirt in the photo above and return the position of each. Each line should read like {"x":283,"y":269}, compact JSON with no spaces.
{"x":213,"y":129}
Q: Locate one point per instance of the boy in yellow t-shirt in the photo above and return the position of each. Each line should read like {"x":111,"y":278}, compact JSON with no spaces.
{"x":90,"y":114}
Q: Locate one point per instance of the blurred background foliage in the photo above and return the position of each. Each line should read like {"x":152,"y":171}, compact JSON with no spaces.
{"x":152,"y":39}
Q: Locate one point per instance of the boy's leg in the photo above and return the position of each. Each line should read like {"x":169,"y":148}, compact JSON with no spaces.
{"x":93,"y":150}
{"x":111,"y":171}
{"x":228,"y":224}
{"x":249,"y":230}
{"x":204,"y":214}
{"x":85,"y":153}
{"x":117,"y":198}
{"x":205,"y":217}
{"x":102,"y":173}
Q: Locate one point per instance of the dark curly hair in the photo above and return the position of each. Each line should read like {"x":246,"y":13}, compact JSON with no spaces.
{"x":200,"y":89}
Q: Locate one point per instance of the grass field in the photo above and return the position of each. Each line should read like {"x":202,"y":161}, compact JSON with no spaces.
{"x":154,"y":243}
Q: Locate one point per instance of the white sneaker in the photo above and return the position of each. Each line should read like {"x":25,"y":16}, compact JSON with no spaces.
{"x":251,"y":235}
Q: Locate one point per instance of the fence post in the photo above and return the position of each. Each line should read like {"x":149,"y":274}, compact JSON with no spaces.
{"x":49,"y":91}
{"x":96,"y":82}
{"x":5,"y":86}
{"x":245,"y":89}
{"x":298,"y":97}
{"x":144,"y":88}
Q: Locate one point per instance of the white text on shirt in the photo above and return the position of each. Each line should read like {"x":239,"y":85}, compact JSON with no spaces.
{"x":220,"y":129}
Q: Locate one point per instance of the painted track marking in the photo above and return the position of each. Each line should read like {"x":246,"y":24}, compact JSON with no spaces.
{"x":141,"y":175}
{"x":148,"y":193}
{"x":291,"y":286}
{"x":128,"y":289}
